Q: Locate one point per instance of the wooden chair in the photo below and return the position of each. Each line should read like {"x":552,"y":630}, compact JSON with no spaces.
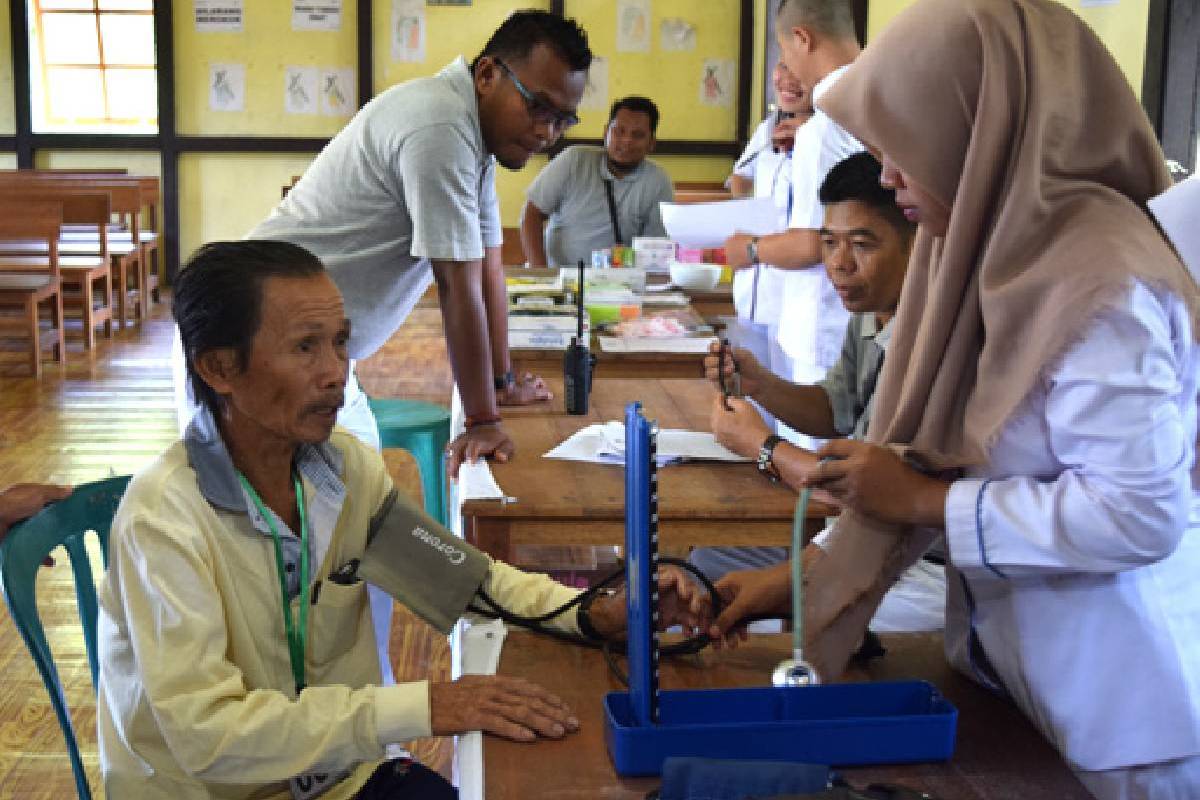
{"x":81,"y":264}
{"x":25,"y":288}
{"x":126,"y":204}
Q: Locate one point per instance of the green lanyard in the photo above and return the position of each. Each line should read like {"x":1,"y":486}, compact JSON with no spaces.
{"x":295,"y":637}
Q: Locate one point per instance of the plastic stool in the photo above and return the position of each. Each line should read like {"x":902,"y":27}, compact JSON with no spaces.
{"x":422,"y":429}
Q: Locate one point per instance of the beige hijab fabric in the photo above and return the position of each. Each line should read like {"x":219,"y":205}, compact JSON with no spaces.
{"x":1015,"y":116}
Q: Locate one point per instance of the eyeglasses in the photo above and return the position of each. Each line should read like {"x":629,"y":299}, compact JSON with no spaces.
{"x":542,"y":112}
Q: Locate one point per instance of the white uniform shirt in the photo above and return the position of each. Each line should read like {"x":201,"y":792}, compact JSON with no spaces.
{"x":812,"y":329}
{"x":758,"y":292}
{"x":408,"y":180}
{"x":1077,"y":546}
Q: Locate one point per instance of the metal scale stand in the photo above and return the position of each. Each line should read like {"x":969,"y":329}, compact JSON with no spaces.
{"x":836,"y":724}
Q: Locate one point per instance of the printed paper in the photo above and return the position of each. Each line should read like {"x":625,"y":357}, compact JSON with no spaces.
{"x":633,"y":26}
{"x":219,"y":15}
{"x":716,"y":83}
{"x":337,"y":92}
{"x":408,"y":30}
{"x":227,"y":87}
{"x":677,"y":34}
{"x":595,"y":94}
{"x":300,"y":90}
{"x":316,"y":15}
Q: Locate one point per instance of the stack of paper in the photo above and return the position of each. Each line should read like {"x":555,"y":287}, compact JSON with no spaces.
{"x":605,"y":444}
{"x":710,"y":224}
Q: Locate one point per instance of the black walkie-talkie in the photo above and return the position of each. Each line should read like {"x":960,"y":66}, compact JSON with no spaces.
{"x":577,"y":361}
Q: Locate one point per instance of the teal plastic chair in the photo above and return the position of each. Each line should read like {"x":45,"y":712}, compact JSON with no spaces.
{"x":90,"y":507}
{"x":422,"y":429}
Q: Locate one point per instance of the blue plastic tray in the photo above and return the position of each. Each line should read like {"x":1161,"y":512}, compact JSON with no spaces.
{"x":839,"y":725}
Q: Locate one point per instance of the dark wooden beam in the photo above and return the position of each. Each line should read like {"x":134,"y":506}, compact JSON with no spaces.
{"x":745,"y":73}
{"x":862,"y":14}
{"x":1178,"y":123}
{"x":22,"y":107}
{"x":164,"y":59}
{"x":366,"y":53}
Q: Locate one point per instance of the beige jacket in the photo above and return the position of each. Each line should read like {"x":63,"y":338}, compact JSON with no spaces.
{"x":196,"y":695}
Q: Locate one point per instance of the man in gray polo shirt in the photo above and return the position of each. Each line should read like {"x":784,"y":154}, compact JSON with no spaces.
{"x":405,"y":195}
{"x":865,"y":241}
{"x":597,"y":197}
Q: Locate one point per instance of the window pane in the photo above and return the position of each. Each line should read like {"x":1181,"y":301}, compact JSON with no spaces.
{"x":126,"y":5}
{"x":132,"y":94}
{"x":75,"y":93}
{"x":70,"y":39}
{"x":128,"y":39}
{"x":75,"y":5}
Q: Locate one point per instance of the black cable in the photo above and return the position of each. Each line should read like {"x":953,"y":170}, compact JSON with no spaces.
{"x":870,"y":648}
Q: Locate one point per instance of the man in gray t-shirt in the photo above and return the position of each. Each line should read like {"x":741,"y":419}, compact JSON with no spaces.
{"x":597,"y":197}
{"x":405,"y":195}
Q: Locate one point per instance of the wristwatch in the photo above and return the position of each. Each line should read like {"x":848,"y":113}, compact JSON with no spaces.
{"x":766,"y":458}
{"x":505,"y":381}
{"x":752,"y":249}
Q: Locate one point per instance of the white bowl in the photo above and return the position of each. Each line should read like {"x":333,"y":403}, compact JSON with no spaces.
{"x":695,"y":277}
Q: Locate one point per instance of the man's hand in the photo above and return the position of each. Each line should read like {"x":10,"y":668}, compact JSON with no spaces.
{"x":735,"y":251}
{"x":755,"y":592}
{"x":23,"y":500}
{"x":526,"y":390}
{"x":512,"y":708}
{"x":751,"y":374}
{"x":877,"y":482}
{"x":740,"y":427}
{"x":681,"y":602}
{"x":783,"y":136}
{"x":476,"y":443}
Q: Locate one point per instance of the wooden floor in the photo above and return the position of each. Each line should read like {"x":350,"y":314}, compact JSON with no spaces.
{"x":110,"y":412}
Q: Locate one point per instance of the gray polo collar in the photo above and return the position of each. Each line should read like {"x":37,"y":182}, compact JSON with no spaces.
{"x":871,"y":330}
{"x":321,"y":465}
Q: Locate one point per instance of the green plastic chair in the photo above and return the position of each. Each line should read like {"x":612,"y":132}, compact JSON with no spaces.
{"x":89,"y":508}
{"x":422,"y":429}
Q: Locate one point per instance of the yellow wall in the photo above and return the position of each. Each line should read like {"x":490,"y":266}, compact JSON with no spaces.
{"x":224,"y":195}
{"x":1122,"y":27}
{"x":7,"y":116}
{"x":267,"y":46}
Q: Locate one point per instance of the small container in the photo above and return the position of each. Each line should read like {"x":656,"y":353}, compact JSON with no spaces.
{"x":690,"y":255}
{"x":602,"y":258}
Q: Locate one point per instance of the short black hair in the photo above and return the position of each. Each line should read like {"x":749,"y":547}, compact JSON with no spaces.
{"x":833,"y":18}
{"x":642,"y":105}
{"x":857,"y":178}
{"x":218,"y":299}
{"x":516,"y":37}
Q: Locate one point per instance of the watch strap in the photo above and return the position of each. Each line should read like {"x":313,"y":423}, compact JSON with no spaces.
{"x":766,"y":457}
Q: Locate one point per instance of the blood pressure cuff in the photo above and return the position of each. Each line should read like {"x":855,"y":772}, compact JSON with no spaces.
{"x":421,"y":563}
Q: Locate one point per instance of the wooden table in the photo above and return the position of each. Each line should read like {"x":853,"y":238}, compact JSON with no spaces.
{"x":710,"y":305}
{"x":575,"y":503}
{"x":549,"y":363}
{"x":998,"y":754}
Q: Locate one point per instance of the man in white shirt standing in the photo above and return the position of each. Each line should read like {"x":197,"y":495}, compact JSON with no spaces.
{"x":817,"y":42}
{"x":764,"y":170}
{"x":590,"y":198}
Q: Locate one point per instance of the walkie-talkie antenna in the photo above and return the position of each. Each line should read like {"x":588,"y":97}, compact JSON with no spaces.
{"x":579,"y":304}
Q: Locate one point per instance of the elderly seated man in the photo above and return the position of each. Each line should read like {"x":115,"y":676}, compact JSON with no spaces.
{"x":237,"y":654}
{"x":866,"y":241}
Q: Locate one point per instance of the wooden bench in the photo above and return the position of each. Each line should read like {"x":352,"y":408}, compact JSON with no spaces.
{"x":81,"y":268}
{"x":124,"y":236}
{"x":26,"y":289}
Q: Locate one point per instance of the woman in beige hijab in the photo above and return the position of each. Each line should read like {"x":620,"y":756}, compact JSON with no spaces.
{"x":1038,"y":403}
